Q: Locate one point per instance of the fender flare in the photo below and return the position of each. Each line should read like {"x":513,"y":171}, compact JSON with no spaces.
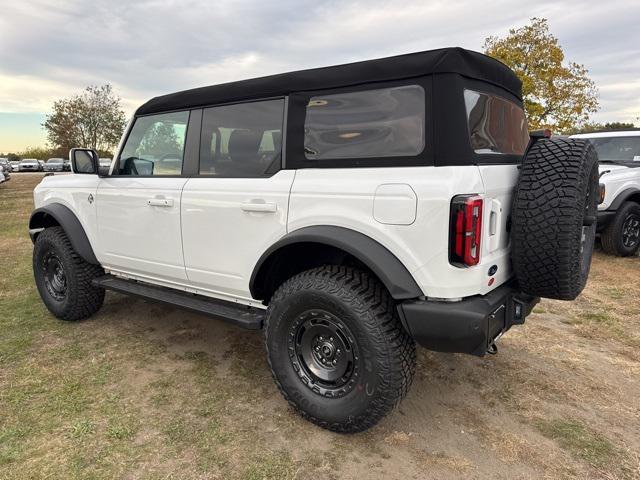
{"x":63,"y":216}
{"x":622,"y":197}
{"x":384,"y":264}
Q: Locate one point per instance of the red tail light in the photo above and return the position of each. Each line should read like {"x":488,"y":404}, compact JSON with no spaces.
{"x":465,"y":230}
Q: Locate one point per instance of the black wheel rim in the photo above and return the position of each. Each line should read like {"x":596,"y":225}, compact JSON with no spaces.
{"x":55,"y":280}
{"x":323,"y":353}
{"x":631,"y":231}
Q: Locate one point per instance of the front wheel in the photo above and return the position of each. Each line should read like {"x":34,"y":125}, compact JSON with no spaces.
{"x":337,"y":349}
{"x":63,"y":278}
{"x":622,"y":235}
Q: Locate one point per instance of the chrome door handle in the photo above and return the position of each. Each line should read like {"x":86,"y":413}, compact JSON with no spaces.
{"x":160,"y":202}
{"x":259,"y":207}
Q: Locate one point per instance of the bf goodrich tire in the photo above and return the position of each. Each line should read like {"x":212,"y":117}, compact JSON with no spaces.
{"x":63,"y":278}
{"x":337,"y":349}
{"x":554,"y":218}
{"x":622,"y":235}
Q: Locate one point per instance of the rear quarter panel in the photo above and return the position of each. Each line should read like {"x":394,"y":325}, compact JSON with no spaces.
{"x":345,"y":198}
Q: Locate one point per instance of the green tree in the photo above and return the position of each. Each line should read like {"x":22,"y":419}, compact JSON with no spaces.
{"x":35,"y":152}
{"x":93,"y":119}
{"x":556,"y":94}
{"x":160,"y":140}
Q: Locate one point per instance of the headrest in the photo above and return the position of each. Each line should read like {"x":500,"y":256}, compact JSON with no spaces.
{"x":244,"y":145}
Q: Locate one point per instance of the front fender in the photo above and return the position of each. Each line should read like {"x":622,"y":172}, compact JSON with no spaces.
{"x":57,"y":214}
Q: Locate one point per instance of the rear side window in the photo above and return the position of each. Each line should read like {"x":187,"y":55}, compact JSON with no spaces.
{"x":155,"y":145}
{"x":496,"y":125}
{"x":242,"y":140}
{"x":386,"y":122}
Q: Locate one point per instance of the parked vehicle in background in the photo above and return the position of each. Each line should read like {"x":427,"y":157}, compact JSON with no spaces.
{"x":362,"y":237}
{"x":6,"y":167}
{"x":105,"y":162}
{"x":2,"y":177}
{"x":6,"y":170}
{"x":30,"y":165}
{"x":54,"y":165}
{"x":41,"y":164}
{"x":619,"y":212}
{"x":15,"y":165}
{"x":66,"y":165}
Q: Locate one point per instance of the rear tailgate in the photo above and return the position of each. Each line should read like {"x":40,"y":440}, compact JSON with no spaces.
{"x":499,"y":186}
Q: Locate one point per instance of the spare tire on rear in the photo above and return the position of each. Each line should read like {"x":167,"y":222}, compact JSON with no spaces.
{"x":554,"y":218}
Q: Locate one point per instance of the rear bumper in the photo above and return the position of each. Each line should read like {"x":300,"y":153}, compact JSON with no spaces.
{"x":604,"y":219}
{"x":468,"y":326}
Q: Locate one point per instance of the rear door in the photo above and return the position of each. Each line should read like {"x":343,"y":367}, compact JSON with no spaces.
{"x":237,"y":205}
{"x":138,"y":206}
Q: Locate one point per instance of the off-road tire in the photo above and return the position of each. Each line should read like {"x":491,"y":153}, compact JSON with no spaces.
{"x":386,"y":355}
{"x":554,"y":218}
{"x":81,"y":299}
{"x":612,"y":237}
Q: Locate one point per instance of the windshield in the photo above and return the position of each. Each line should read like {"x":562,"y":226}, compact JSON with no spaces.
{"x":617,"y":149}
{"x":54,"y":160}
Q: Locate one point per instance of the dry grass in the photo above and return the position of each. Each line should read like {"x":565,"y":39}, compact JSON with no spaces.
{"x":143,"y":391}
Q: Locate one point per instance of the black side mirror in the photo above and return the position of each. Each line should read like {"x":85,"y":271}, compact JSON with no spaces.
{"x":84,"y":160}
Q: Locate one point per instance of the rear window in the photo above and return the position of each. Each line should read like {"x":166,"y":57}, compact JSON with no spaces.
{"x":496,"y":125}
{"x":386,"y":122}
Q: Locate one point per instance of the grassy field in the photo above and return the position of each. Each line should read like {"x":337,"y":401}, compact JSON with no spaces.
{"x":145,"y":391}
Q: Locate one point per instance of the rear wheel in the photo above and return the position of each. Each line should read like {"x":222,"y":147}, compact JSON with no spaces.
{"x":63,"y":278}
{"x":337,"y":349}
{"x":622,"y":235}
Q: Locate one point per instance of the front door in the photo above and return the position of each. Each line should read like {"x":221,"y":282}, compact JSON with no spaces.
{"x":138,"y":206}
{"x":237,"y":206}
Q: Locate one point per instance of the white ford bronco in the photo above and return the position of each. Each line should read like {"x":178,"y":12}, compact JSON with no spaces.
{"x":350,"y":212}
{"x":619,"y":210}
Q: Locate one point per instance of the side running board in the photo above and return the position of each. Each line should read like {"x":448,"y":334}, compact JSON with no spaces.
{"x":240,"y":315}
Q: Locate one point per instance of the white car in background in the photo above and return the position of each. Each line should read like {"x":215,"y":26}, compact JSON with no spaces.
{"x":30,"y":165}
{"x":619,"y":212}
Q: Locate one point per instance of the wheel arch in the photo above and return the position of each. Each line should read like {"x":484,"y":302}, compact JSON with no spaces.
{"x":626,"y":195}
{"x":56,"y":214}
{"x":310,"y":247}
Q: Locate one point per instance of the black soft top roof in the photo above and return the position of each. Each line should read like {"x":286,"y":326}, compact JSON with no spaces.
{"x":445,"y":60}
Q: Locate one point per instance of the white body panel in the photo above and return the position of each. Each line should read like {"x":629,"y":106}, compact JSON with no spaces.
{"x":227,"y":224}
{"x":73,"y":192}
{"x":205,"y":235}
{"x":346,"y":198}
{"x":139,"y":229}
{"x":617,"y":179}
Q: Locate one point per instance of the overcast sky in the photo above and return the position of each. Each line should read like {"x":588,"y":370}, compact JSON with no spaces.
{"x":54,"y":48}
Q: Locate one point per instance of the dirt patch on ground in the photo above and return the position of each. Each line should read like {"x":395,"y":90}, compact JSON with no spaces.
{"x":145,"y":391}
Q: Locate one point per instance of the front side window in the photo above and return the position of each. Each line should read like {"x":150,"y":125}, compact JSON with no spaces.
{"x":496,"y":125}
{"x":242,"y":140}
{"x":386,"y":122}
{"x":155,"y":145}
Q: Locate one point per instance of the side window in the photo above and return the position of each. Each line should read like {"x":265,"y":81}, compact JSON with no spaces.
{"x":241,"y":140}
{"x":387,"y":122}
{"x":155,"y":145}
{"x":496,"y":125}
